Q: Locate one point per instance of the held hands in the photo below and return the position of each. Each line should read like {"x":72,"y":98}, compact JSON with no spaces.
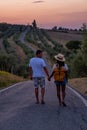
{"x":49,"y":79}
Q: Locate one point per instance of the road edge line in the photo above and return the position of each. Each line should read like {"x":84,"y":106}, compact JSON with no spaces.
{"x":4,"y":89}
{"x":79,"y":95}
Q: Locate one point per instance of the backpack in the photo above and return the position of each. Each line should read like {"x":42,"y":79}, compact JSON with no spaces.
{"x":59,"y":73}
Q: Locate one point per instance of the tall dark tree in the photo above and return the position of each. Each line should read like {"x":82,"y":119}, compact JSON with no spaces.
{"x":84,"y":27}
{"x":34,"y":24}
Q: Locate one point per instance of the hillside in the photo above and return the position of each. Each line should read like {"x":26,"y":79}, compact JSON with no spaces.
{"x":15,"y":55}
{"x":20,"y":42}
{"x":18,"y":50}
{"x":63,"y":38}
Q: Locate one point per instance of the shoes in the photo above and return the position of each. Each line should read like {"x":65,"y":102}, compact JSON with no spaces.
{"x":63,"y":103}
{"x":42,"y":102}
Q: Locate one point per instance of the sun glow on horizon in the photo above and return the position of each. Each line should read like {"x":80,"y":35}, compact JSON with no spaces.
{"x":46,"y":12}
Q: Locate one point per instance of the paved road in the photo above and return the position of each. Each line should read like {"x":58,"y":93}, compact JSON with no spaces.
{"x":23,"y":34}
{"x":18,"y":110}
{"x":22,"y":39}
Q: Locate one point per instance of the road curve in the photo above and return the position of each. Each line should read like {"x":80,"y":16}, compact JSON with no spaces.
{"x":18,"y":110}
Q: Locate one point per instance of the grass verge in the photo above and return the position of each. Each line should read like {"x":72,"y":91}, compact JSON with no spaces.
{"x":80,"y":84}
{"x":7,"y":79}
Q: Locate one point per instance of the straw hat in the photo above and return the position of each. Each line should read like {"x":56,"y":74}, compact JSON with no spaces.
{"x":59,"y":57}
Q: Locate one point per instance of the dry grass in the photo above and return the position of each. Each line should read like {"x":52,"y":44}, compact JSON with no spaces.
{"x":7,"y":79}
{"x":18,"y":50}
{"x":80,"y":84}
{"x":63,"y":38}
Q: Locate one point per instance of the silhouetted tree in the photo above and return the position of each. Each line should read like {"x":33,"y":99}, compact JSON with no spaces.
{"x":34,"y":24}
{"x":84,"y":27}
{"x":4,"y":26}
{"x":54,"y":28}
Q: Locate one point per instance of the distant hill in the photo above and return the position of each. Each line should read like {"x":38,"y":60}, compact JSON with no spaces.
{"x":63,"y":38}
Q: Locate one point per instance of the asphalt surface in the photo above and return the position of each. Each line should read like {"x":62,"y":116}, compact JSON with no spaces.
{"x":18,"y":110}
{"x":22,"y":39}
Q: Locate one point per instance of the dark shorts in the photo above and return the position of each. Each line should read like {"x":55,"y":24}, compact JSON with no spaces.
{"x":60,"y":83}
{"x":39,"y":81}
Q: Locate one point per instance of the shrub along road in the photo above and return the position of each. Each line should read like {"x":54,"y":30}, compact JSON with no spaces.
{"x":18,"y":110}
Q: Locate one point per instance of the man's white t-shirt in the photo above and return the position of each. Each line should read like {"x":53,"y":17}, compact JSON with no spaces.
{"x":37,"y":65}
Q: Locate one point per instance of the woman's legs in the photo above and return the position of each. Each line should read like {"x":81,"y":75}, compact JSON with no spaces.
{"x":63,"y":95}
{"x":58,"y":94}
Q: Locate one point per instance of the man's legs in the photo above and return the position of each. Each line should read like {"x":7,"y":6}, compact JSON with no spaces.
{"x":37,"y":95}
{"x":35,"y":79}
{"x":42,"y":95}
{"x":63,"y":95}
{"x":42,"y":85}
{"x":39,"y":82}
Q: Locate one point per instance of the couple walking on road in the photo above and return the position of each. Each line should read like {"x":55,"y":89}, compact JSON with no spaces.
{"x":37,"y":66}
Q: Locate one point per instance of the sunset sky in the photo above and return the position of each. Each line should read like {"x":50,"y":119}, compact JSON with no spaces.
{"x":47,"y":13}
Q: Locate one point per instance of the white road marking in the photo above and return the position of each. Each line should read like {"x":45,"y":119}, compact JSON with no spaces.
{"x":2,"y":90}
{"x":82,"y":98}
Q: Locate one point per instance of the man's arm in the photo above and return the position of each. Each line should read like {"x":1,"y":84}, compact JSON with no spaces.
{"x":46,"y":71}
{"x":30,"y":72}
{"x":51,"y":76}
